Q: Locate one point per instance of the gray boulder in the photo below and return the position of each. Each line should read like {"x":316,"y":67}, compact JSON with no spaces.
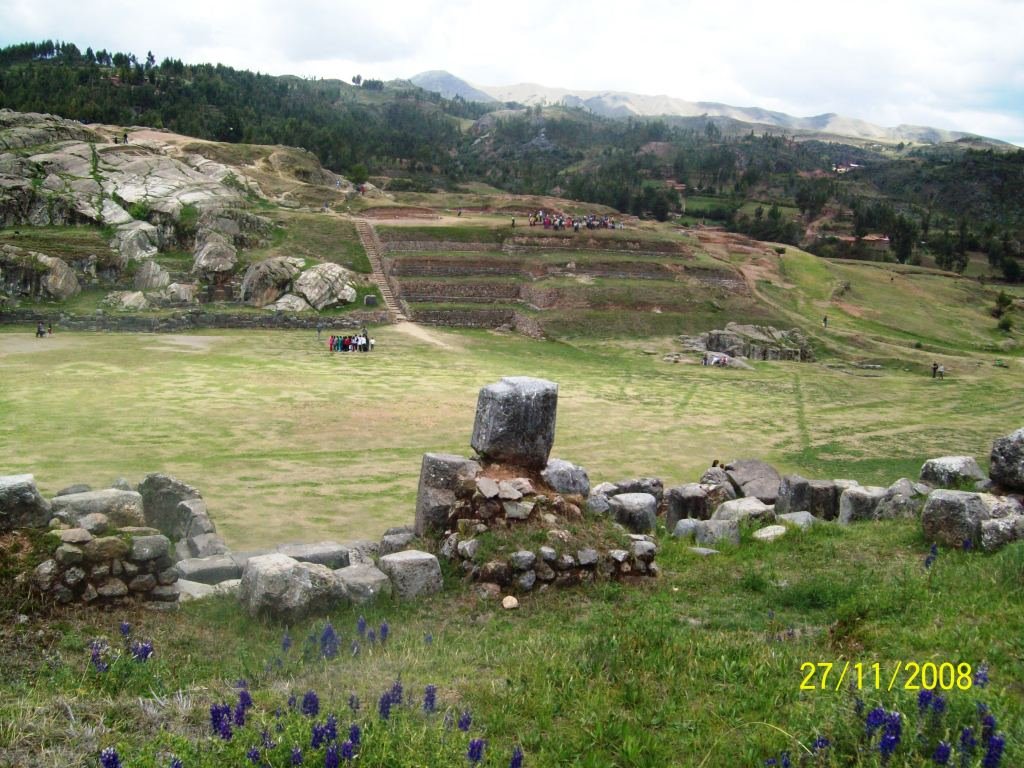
{"x":515,"y":421}
{"x":651,"y":485}
{"x":798,"y":519}
{"x":898,"y":504}
{"x":121,"y":508}
{"x":1006,"y":463}
{"x":329,"y":553}
{"x":1001,"y":531}
{"x":290,"y":303}
{"x":685,"y":528}
{"x":597,"y":504}
{"x":206,"y":545}
{"x":282,"y":588}
{"x":209,"y":570}
{"x":565,"y":477}
{"x":364,"y":583}
{"x":686,"y":501}
{"x":715,"y":476}
{"x":146,"y":548}
{"x":21,"y":505}
{"x":636,"y":511}
{"x":752,"y":477}
{"x":395,"y":542}
{"x":150,"y":276}
{"x":860,"y":503}
{"x":794,"y":495}
{"x":954,"y":517}
{"x":412,"y":573}
{"x":747,"y":508}
{"x":161,"y":498}
{"x":823,"y":499}
{"x":951,"y":472}
{"x":76,"y":488}
{"x":325,"y":285}
{"x":214,"y":254}
{"x":711,"y":532}
{"x":441,"y":475}
{"x":769,"y":533}
{"x":267,"y":281}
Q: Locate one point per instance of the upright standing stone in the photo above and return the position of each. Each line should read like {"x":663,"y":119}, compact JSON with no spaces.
{"x":686,"y":501}
{"x":794,"y":495}
{"x":752,"y":477}
{"x":161,"y":495}
{"x":515,"y":421}
{"x":441,"y":474}
{"x":21,"y":505}
{"x":637,"y":511}
{"x":1006,"y":464}
{"x":412,"y":573}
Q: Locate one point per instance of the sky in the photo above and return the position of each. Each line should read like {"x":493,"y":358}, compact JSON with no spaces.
{"x":955,"y":65}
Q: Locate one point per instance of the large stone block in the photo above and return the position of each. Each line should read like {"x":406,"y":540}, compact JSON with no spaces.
{"x":364,"y":583}
{"x":282,"y":588}
{"x":794,"y":495}
{"x":710,"y":532}
{"x":515,"y":421}
{"x":823,"y":499}
{"x":565,"y":477}
{"x":954,"y":517}
{"x":636,"y":511}
{"x":1006,"y":463}
{"x":951,"y":472}
{"x":412,"y":573}
{"x":752,"y":477}
{"x":441,"y":474}
{"x":330,"y":553}
{"x":21,"y":505}
{"x":860,"y":503}
{"x":161,"y":497}
{"x":122,"y":508}
{"x":747,"y":508}
{"x":651,"y":485}
{"x":210,"y":570}
{"x":686,"y":501}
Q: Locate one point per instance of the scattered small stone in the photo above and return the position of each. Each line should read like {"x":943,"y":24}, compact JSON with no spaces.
{"x":510,"y":603}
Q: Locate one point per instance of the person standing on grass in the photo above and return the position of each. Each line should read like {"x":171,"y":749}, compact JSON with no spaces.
{"x":319,"y":329}
{"x":942,"y":371}
{"x":824,"y":322}
{"x":935,"y":370}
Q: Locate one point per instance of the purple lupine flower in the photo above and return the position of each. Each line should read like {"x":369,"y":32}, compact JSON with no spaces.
{"x":175,"y":763}
{"x":981,"y":675}
{"x":475,"y":753}
{"x":296,"y":756}
{"x":268,"y":743}
{"x":224,"y":729}
{"x":353,"y":703}
{"x":331,"y":728}
{"x":967,"y":745}
{"x":310,"y":704}
{"x":286,"y":643}
{"x":887,"y":746}
{"x":291,"y":701}
{"x":517,"y":757}
{"x":126,"y":629}
{"x":331,"y":757}
{"x":245,"y":699}
{"x":361,"y":627}
{"x":994,"y":753}
{"x":968,"y":545}
{"x":142,"y":651}
{"x":396,"y":693}
{"x":942,"y":753}
{"x":218,"y":714}
{"x":317,"y":737}
{"x":371,"y":636}
{"x":348,"y":751}
{"x":465,"y":720}
{"x":820,"y":743}
{"x":385,"y":630}
{"x":988,"y":727}
{"x":784,"y":761}
{"x":96,"y":656}
{"x":109,"y":758}
{"x":875,"y":720}
{"x":329,"y":642}
{"x":384,"y":707}
{"x":355,"y":734}
{"x":254,"y":755}
{"x":933,"y":555}
{"x":924,"y":700}
{"x":938,"y":706}
{"x":430,"y":699}
{"x":239,"y":715}
{"x":770,"y":762}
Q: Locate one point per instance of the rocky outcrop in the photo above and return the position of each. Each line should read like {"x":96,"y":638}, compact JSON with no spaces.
{"x":126,"y":301}
{"x":325,"y":285}
{"x":29,"y":273}
{"x":150,"y":276}
{"x":755,"y":342}
{"x":1006,"y":463}
{"x":214,"y":254}
{"x":290,"y":303}
{"x":515,"y":421}
{"x":21,"y":505}
{"x":267,"y":281}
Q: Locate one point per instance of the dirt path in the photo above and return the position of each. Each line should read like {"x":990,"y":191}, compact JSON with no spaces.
{"x":27,"y":343}
{"x":420,"y":333}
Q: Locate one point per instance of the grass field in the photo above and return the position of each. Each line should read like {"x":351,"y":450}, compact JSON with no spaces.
{"x":701,"y":667}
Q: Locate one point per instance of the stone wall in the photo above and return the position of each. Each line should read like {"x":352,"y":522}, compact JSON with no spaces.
{"x":188,"y":320}
{"x":466,"y":318}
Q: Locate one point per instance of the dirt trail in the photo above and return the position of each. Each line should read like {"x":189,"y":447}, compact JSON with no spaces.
{"x":420,"y":333}
{"x":27,"y":343}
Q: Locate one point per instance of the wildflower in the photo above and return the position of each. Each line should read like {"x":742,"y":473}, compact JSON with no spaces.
{"x":318,"y":736}
{"x":291,"y":701}
{"x":981,"y":675}
{"x":820,"y":743}
{"x":994,"y":753}
{"x":887,"y":746}
{"x":967,"y":545}
{"x":329,"y":642}
{"x":348,"y":751}
{"x":310,"y":704}
{"x":175,"y":763}
{"x":771,"y":762}
{"x":268,"y":743}
{"x":384,"y":707}
{"x":239,"y":716}
{"x":385,"y":630}
{"x":355,"y":734}
{"x":142,"y":651}
{"x":254,"y":755}
{"x":331,"y":728}
{"x":109,"y":758}
{"x":353,"y":703}
{"x":219,"y":713}
{"x":938,"y":707}
{"x":126,"y":629}
{"x":875,"y":720}
{"x":245,"y":699}
{"x":371,"y":636}
{"x":331,"y":757}
{"x":476,"y":751}
{"x":465,"y":720}
{"x":942,"y":753}
{"x":517,"y":758}
{"x":967,"y":745}
{"x":430,"y":699}
{"x":296,"y":756}
{"x":890,"y":736}
{"x":396,"y":692}
{"x":286,"y":643}
{"x":224,"y":729}
{"x":784,"y":761}
{"x":988,"y":727}
{"x":924,"y":700}
{"x":933,"y":554}
{"x":361,"y":627}
{"x":97,"y":656}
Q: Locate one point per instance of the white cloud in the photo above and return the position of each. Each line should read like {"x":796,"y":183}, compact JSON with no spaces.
{"x":951,"y":64}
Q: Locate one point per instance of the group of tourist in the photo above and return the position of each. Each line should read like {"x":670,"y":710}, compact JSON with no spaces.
{"x":360,"y":342}
{"x":713,"y":359}
{"x":43,"y":330}
{"x":559,"y":222}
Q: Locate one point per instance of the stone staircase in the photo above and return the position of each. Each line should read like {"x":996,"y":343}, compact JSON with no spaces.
{"x":372,"y":246}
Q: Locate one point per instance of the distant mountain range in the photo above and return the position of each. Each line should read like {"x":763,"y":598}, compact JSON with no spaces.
{"x":618,"y":104}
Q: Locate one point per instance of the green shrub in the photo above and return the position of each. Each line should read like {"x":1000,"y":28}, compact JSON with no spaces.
{"x":1005,"y":324}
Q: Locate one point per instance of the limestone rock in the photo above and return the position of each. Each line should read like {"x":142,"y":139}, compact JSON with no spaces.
{"x":798,"y":519}
{"x":214,"y":254}
{"x":413,"y":573}
{"x":711,"y":532}
{"x":515,"y":421}
{"x":440,"y":476}
{"x":180,"y":293}
{"x":364,"y":583}
{"x":121,"y":508}
{"x":636,"y":511}
{"x":150,"y":276}
{"x":325,"y":285}
{"x":396,"y":542}
{"x":161,"y":496}
{"x":597,"y":503}
{"x":685,"y":528}
{"x":770,"y":533}
{"x":517,"y":510}
{"x":1006,"y":463}
{"x":330,"y":553}
{"x":76,"y":488}
{"x":467,"y":549}
{"x":651,"y":485}
{"x":860,"y":503}
{"x":267,"y":281}
{"x":794,"y":495}
{"x":21,"y":505}
{"x":210,"y":570}
{"x":566,"y":477}
{"x":951,"y":472}
{"x":206,"y":545}
{"x":105,"y":548}
{"x":509,"y":603}
{"x":747,"y":508}
{"x":686,"y":501}
{"x":487,"y":487}
{"x":715,"y":476}
{"x":149,"y":547}
{"x":282,"y":588}
{"x":823,"y":499}
{"x":954,"y":517}
{"x":290,"y":303}
{"x":127,"y":301}
{"x":752,"y":477}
